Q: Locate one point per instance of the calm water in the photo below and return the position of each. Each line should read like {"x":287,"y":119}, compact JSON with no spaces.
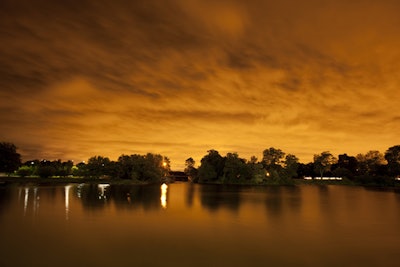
{"x":194,"y":225}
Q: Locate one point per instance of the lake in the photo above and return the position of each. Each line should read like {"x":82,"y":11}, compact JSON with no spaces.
{"x":185,"y":224}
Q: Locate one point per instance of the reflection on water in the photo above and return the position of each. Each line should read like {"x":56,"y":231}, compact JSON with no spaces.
{"x":214,"y":197}
{"x":183,"y":224}
{"x":95,"y":196}
{"x":281,"y":199}
{"x":102,"y":190}
{"x":30,"y":197}
{"x":277,"y":200}
{"x":67,"y":188}
{"x":163,"y":198}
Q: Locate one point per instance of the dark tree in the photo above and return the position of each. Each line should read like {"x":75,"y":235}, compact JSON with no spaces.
{"x":279,"y":166}
{"x":212,"y":167}
{"x":125,"y":167}
{"x":147,"y":168}
{"x":190,"y":169}
{"x":348,"y":162}
{"x":371,"y":163}
{"x":10,"y":160}
{"x":272,"y":157}
{"x":291,"y":165}
{"x":392,"y":156}
{"x":98,"y":166}
{"x":323,"y":162}
{"x":46,"y":171}
{"x":80,"y":170}
{"x":24,"y":171}
{"x":305,"y":170}
{"x":64,"y":168}
{"x":236,"y":169}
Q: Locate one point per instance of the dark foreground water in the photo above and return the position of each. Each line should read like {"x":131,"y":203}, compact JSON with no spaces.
{"x":194,"y":225}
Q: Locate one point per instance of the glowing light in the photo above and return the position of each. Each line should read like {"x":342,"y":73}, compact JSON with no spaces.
{"x":164,"y":164}
{"x":164,"y":189}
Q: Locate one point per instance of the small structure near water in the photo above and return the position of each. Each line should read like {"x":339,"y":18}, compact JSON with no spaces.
{"x":323,"y":178}
{"x":179,"y":176}
{"x":176,"y":176}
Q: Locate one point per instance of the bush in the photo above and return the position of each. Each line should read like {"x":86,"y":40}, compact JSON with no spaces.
{"x":46,"y":171}
{"x":24,"y":171}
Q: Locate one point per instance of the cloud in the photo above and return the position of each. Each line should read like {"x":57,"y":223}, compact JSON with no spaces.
{"x":182,"y":77}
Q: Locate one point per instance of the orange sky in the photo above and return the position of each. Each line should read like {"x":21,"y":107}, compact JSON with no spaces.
{"x":180,"y":77}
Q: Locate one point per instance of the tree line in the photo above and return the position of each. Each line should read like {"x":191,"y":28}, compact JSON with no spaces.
{"x":277,"y":167}
{"x":141,"y":168}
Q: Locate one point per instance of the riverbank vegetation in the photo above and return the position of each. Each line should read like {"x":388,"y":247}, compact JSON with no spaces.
{"x":149,"y":168}
{"x":275,"y":168}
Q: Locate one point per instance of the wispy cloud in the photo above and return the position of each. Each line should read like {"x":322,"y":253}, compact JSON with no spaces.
{"x":180,"y":77}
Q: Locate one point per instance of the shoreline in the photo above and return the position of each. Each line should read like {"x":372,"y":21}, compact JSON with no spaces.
{"x":12,"y":180}
{"x":9,"y":180}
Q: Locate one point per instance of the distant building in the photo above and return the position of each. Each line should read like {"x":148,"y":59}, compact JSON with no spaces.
{"x":178,"y":176}
{"x":323,"y":178}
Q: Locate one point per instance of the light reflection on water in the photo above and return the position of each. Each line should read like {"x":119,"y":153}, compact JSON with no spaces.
{"x":163,"y":198}
{"x":67,"y":188}
{"x":185,"y":224}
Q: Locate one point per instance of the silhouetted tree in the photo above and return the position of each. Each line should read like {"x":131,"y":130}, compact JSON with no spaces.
{"x":190,"y":170}
{"x":65,"y":168}
{"x":273,"y":163}
{"x":24,"y":171}
{"x":236,"y":169}
{"x":212,"y":167}
{"x":10,"y":160}
{"x":279,"y":166}
{"x":371,"y":163}
{"x":46,"y":171}
{"x":392,"y":155}
{"x":291,"y":164}
{"x":323,"y":162}
{"x":80,"y":170}
{"x":272,"y":157}
{"x":305,"y":170}
{"x":98,"y":166}
{"x":347,"y":166}
{"x":253,"y":160}
{"x":125,"y":167}
{"x":148,"y":168}
{"x":154,"y":168}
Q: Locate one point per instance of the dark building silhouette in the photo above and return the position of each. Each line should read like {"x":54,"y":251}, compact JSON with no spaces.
{"x":178,"y":176}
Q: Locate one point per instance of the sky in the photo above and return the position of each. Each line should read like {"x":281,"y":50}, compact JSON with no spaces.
{"x":181,"y":77}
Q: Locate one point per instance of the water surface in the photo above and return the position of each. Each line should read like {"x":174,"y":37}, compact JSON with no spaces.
{"x":198,"y":225}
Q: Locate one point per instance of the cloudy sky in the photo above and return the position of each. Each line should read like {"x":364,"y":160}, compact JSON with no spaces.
{"x":180,"y":77}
